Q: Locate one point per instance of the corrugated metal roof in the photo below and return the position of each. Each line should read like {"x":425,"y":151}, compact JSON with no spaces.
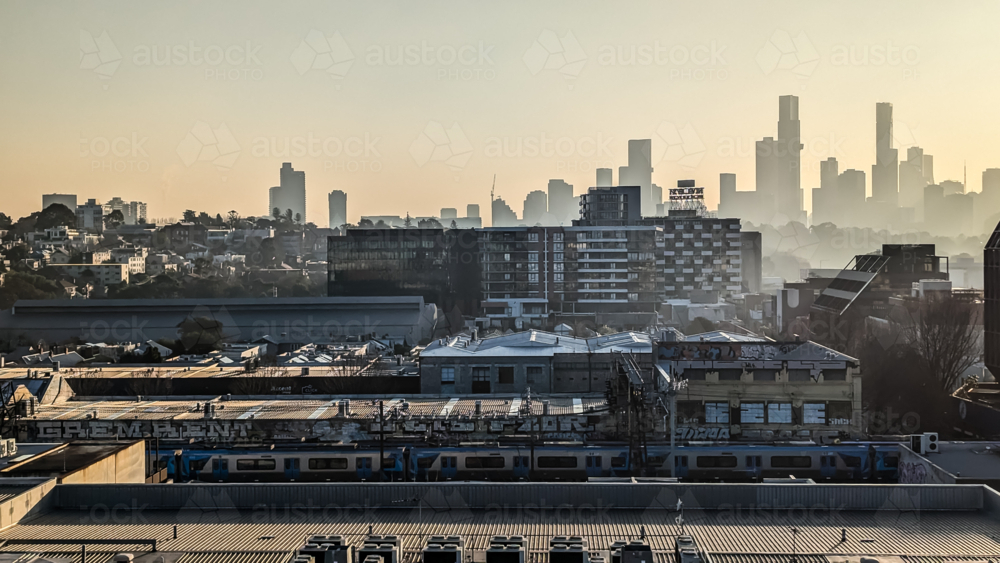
{"x":207,"y":528}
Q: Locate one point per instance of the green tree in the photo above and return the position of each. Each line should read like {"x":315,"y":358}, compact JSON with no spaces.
{"x":190,"y":216}
{"x":55,"y":215}
{"x":114,"y":219}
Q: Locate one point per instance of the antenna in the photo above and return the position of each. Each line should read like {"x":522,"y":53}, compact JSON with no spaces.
{"x":493,"y":188}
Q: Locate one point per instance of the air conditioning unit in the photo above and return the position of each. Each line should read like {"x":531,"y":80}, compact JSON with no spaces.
{"x":926,"y":443}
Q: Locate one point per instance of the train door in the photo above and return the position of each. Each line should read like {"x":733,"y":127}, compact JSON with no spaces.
{"x":828,"y":466}
{"x":681,"y":466}
{"x":292,"y":468}
{"x":522,"y":466}
{"x":363,"y":466}
{"x":755,"y":466}
{"x":220,"y":469}
{"x":421,"y":466}
{"x":593,"y":466}
{"x":449,"y":467}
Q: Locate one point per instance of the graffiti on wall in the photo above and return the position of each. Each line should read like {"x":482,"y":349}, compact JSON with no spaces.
{"x":725,"y":351}
{"x":912,"y":473}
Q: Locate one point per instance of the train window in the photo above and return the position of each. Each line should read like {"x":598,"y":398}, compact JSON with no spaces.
{"x":255,"y":464}
{"x":891,"y":461}
{"x":655,"y":460}
{"x":594,"y":461}
{"x":851,"y":461}
{"x":492,"y":462}
{"x":557,"y":462}
{"x":716,"y":461}
{"x":388,"y":462}
{"x":425,"y":462}
{"x":362,"y":462}
{"x":327,"y":463}
{"x":196,"y":464}
{"x":791,"y":461}
{"x":618,"y":461}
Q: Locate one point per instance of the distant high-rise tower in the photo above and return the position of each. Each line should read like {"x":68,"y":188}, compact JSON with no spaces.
{"x":449,"y":213}
{"x":562,"y":204}
{"x":779,"y":162}
{"x":604,"y":179}
{"x":290,"y":194}
{"x":338,"y":209}
{"x":472,"y":210}
{"x":502,"y":214}
{"x":885,"y":171}
{"x":912,"y":179}
{"x":535,"y":206}
{"x":639,"y":172}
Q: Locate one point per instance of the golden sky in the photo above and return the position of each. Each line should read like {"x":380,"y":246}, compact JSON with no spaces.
{"x":414,"y":106}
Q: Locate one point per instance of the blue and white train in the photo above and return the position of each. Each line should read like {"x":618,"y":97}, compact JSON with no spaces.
{"x":569,"y":462}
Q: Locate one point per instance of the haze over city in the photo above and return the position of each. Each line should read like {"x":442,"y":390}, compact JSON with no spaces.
{"x":698,"y":79}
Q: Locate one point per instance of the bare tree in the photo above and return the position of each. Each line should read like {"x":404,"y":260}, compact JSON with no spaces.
{"x":945,"y":334}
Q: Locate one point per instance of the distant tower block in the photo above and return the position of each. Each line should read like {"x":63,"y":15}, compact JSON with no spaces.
{"x":449,"y":213}
{"x":604,"y":179}
{"x":472,"y":210}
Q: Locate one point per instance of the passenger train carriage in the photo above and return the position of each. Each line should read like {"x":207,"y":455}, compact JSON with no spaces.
{"x":575,"y":462}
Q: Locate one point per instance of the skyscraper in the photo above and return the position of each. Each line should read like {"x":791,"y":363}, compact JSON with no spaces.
{"x":338,"y":208}
{"x":604,"y":179}
{"x":911,"y":179}
{"x":779,"y":162}
{"x":472,"y":210}
{"x":885,"y":171}
{"x":535,"y":206}
{"x":562,"y":205}
{"x":290,"y":194}
{"x":639,"y":172}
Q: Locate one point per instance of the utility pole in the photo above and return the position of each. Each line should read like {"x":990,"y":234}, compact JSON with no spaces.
{"x":381,"y":439}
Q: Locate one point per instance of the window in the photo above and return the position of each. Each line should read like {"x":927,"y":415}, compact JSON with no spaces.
{"x":717,"y":413}
{"x":532,"y":278}
{"x":533,"y":257}
{"x":791,"y":462}
{"x":493,"y":462}
{"x":327,"y":464}
{"x":425,"y":462}
{"x":779,"y":413}
{"x":752,"y":413}
{"x":480,"y":380}
{"x":447,"y":375}
{"x":814,"y":413}
{"x":534,"y":374}
{"x":362,"y":462}
{"x":255,"y":464}
{"x":532,"y":237}
{"x":556,"y":462}
{"x":505,"y":375}
{"x":716,"y":461}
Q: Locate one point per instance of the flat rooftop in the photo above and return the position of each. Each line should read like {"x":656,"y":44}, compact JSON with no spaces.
{"x":968,"y":460}
{"x":308,"y":408}
{"x":733,"y":523}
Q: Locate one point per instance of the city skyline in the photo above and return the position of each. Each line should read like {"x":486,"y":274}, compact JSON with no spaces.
{"x":717,"y":109}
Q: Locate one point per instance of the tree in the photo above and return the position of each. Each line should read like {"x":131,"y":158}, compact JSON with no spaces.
{"x":407,"y":222}
{"x":699,"y":325}
{"x":114,"y":219}
{"x":5,"y":221}
{"x":366,"y":224}
{"x":55,"y":215}
{"x":276,"y":213}
{"x":289,"y":215}
{"x":233,"y":219}
{"x":429,"y":224}
{"x":190,"y":216}
{"x":454,"y":225}
{"x":200,"y":335}
{"x":298,"y":218}
{"x":944,"y":335}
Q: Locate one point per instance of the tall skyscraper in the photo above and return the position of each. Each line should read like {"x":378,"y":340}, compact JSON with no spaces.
{"x":852,"y":190}
{"x":69,"y":200}
{"x":535,"y":206}
{"x":448,"y":213}
{"x":639,"y":172}
{"x":502,"y":214}
{"x":779,"y":162}
{"x":290,"y":194}
{"x":604,"y":179}
{"x":991,"y":181}
{"x":911,"y":179}
{"x":338,"y":208}
{"x":885,"y":171}
{"x":562,"y":204}
{"x":472,"y":210}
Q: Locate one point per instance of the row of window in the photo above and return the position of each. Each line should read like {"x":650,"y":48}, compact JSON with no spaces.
{"x":835,"y":412}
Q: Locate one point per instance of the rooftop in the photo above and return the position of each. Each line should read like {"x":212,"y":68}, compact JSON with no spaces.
{"x":537,"y":343}
{"x":733,"y":523}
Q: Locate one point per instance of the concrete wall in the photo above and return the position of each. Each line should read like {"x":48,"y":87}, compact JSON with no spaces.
{"x":34,"y":500}
{"x":916,"y":470}
{"x":127,"y":465}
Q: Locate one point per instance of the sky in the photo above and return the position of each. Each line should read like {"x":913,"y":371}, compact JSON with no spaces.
{"x":414,"y":106}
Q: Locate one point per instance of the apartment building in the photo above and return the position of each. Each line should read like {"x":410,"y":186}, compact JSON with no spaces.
{"x":103,"y":274}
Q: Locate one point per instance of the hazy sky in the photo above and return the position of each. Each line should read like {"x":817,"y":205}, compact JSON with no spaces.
{"x":414,"y":106}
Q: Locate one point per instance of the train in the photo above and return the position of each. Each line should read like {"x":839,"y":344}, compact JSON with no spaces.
{"x":575,"y":462}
